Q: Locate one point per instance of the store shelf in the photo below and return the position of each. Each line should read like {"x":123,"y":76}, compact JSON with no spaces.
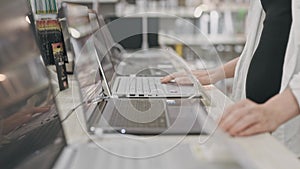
{"x":201,"y":40}
{"x":188,"y":12}
{"x":91,"y":1}
{"x":158,"y":13}
{"x":108,"y":1}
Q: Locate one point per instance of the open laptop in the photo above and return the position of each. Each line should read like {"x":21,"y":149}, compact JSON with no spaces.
{"x":147,"y":113}
{"x":131,"y":115}
{"x":88,"y":23}
{"x":126,"y":115}
{"x":135,"y":85}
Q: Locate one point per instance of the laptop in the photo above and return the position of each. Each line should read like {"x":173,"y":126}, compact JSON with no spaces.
{"x":130,"y":115}
{"x":135,"y":86}
{"x":155,"y":111}
{"x":132,"y":86}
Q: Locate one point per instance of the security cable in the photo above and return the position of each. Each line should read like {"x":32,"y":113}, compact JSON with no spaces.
{"x":97,"y":99}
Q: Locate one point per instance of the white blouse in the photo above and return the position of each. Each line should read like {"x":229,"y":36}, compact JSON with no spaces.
{"x":288,"y":133}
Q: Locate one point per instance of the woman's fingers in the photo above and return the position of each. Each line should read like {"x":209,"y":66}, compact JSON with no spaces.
{"x":232,"y":109}
{"x":247,"y":118}
{"x":197,"y":73}
{"x":244,"y":123}
{"x":166,"y":79}
{"x":205,"y":80}
{"x":238,"y":117}
{"x":183,"y":81}
{"x":172,"y":76}
{"x":230,"y":119}
{"x":254,"y":129}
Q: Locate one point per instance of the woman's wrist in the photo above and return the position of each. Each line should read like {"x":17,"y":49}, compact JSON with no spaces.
{"x":217,"y":74}
{"x":282,"y":106}
{"x":274,"y":115}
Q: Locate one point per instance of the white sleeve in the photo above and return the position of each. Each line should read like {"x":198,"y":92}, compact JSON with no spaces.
{"x":295,"y":86}
{"x":254,"y":21}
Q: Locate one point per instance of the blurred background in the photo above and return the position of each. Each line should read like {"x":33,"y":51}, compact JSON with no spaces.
{"x":213,"y":30}
{"x":221,"y":21}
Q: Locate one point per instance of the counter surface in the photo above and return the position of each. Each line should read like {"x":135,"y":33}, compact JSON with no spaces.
{"x":260,"y":151}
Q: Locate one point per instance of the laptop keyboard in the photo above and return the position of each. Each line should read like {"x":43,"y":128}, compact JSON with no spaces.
{"x":144,"y":85}
{"x":135,"y":115}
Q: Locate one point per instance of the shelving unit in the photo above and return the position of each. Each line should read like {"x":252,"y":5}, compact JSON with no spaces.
{"x":201,"y":40}
{"x":168,"y":14}
{"x":91,"y":1}
{"x":192,"y":14}
{"x":186,"y":12}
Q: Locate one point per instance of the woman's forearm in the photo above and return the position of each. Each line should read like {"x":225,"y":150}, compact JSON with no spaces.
{"x":223,"y":72}
{"x":229,"y":67}
{"x":284,"y":106}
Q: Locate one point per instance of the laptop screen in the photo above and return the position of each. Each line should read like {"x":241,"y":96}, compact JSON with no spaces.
{"x":93,"y":45}
{"x":104,"y":46}
{"x":31,"y":134}
{"x":95,"y":50}
{"x":80,"y":18}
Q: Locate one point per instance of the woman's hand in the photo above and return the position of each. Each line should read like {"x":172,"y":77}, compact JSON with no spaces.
{"x":205,"y":77}
{"x":247,"y":118}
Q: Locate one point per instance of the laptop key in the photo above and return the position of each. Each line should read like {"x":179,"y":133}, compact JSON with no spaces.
{"x":153,"y":88}
{"x":139,"y":86}
{"x":146,"y":85}
{"x":123,"y":86}
{"x":132,"y":86}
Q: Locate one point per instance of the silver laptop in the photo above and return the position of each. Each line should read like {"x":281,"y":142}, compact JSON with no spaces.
{"x":131,"y":115}
{"x":134,"y":86}
{"x":127,"y":115}
{"x":121,"y":86}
